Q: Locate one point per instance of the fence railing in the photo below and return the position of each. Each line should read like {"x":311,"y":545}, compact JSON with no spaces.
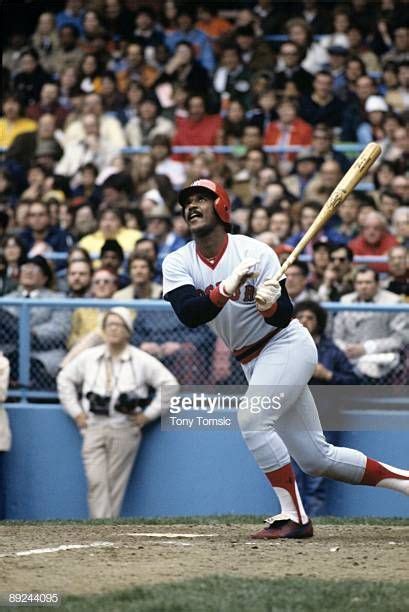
{"x":199,"y":359}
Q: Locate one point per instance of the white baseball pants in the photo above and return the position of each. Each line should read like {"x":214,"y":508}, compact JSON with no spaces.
{"x":288,"y":362}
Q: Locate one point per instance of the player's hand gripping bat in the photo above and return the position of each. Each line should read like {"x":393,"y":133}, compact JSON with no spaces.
{"x":345,"y":186}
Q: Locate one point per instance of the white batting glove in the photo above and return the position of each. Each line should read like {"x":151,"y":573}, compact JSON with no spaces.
{"x":244,"y":271}
{"x":267,"y":294}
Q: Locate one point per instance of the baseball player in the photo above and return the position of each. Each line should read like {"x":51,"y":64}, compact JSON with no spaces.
{"x":212,"y":279}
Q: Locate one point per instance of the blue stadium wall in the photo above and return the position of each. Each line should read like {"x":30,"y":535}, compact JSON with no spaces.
{"x":176,"y":473}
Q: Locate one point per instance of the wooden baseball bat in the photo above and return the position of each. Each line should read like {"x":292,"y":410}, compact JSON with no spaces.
{"x":345,"y":186}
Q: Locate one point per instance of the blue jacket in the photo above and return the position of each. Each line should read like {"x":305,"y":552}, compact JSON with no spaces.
{"x":58,"y":239}
{"x":335,"y":360}
{"x":200,"y":42}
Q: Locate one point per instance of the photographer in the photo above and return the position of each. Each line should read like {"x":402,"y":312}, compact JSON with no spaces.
{"x":113,"y":380}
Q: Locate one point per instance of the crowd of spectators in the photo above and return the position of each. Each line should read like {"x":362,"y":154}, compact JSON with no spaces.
{"x":96,"y":95}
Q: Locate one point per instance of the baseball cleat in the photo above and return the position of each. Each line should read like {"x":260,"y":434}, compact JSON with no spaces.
{"x":284,"y":529}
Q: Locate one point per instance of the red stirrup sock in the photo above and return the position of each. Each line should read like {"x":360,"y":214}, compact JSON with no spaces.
{"x":285,"y":486}
{"x":379,"y":474}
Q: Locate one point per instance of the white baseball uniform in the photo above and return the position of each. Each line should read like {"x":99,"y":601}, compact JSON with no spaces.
{"x":287,"y":360}
{"x":271,"y":357}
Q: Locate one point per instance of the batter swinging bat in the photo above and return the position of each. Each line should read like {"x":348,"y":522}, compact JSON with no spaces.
{"x":345,"y":186}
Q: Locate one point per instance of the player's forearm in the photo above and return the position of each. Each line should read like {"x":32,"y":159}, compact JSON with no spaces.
{"x":190,"y":309}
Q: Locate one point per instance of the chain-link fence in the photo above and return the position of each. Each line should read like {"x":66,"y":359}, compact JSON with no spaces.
{"x":35,"y":334}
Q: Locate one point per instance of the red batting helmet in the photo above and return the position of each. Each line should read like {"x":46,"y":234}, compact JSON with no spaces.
{"x":222,"y":204}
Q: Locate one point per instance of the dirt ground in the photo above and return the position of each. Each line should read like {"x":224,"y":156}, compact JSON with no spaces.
{"x":335,"y":552}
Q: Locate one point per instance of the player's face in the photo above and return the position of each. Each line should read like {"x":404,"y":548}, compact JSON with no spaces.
{"x":199,"y":214}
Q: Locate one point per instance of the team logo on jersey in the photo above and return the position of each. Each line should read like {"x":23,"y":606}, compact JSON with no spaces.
{"x":248,"y":292}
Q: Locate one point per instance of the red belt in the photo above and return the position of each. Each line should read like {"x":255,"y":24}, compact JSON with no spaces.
{"x":247,"y":353}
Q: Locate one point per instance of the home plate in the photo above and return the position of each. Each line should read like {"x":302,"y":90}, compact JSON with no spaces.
{"x":172,"y":535}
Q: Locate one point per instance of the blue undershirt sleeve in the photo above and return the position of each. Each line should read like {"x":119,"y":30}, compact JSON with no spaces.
{"x":191,"y":309}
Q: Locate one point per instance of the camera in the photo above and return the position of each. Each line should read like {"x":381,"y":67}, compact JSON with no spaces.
{"x":98,"y":404}
{"x":127,"y":402}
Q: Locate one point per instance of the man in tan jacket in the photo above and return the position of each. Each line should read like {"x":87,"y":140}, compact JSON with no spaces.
{"x":113,"y":379}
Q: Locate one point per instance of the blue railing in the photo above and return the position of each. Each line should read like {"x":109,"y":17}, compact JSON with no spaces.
{"x":358,"y":259}
{"x":24,"y":344}
{"x":344,"y":147}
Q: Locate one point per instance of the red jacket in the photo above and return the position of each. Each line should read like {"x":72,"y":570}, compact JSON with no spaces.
{"x":300,"y":134}
{"x":360,"y":247}
{"x":196,"y":133}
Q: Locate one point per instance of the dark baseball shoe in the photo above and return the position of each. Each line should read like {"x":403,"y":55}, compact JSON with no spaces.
{"x":283,"y":528}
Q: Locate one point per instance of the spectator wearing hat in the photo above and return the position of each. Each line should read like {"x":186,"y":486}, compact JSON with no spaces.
{"x":289,"y":69}
{"x":114,"y":380}
{"x":373,"y":239}
{"x":142,"y":129}
{"x":159,"y":229}
{"x":40,"y":143}
{"x":112,"y":257}
{"x":13,"y":123}
{"x":141,"y":271}
{"x":164,"y":164}
{"x":372,"y":129}
{"x":337,"y":58}
{"x":41,"y":236}
{"x":110,"y":226}
{"x":49,"y":325}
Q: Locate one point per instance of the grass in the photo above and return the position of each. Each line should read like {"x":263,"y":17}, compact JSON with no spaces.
{"x":221,"y":519}
{"x":230,"y":594}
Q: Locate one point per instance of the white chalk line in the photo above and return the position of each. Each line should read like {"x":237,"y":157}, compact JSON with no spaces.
{"x":63,"y":547}
{"x":173,"y":535}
